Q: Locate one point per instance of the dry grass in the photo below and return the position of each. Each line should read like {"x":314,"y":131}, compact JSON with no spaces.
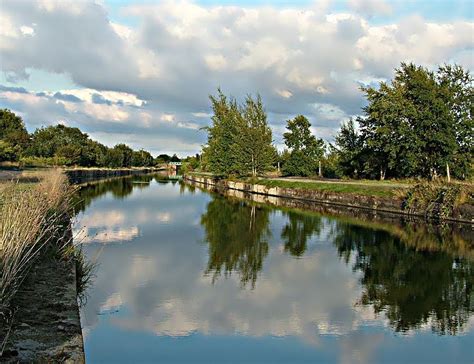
{"x":30,"y":218}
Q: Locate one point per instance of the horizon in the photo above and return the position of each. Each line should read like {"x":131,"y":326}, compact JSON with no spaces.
{"x":140,"y":72}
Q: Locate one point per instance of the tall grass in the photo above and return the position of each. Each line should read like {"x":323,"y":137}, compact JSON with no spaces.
{"x":31,"y":216}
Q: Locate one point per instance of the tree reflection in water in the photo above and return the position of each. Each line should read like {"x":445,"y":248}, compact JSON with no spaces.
{"x":237,"y":235}
{"x":412,"y":286}
{"x":413,"y":280}
{"x":299,"y":228}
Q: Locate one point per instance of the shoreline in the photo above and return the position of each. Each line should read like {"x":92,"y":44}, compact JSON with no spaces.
{"x":346,"y":201}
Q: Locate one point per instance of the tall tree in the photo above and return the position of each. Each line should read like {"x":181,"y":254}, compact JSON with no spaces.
{"x":349,"y":149}
{"x":221,"y":135}
{"x":252,"y":148}
{"x":239,"y":139}
{"x":306,"y":149}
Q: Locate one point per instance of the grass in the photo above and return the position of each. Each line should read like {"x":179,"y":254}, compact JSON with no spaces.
{"x":31,"y":216}
{"x":379,"y":190}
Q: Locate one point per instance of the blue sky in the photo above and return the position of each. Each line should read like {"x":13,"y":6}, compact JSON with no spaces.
{"x":142,"y":70}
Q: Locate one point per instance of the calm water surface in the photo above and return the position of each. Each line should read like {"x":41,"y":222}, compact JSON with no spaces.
{"x":188,"y":276}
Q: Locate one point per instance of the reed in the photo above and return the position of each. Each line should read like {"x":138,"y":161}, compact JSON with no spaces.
{"x":31,"y":217}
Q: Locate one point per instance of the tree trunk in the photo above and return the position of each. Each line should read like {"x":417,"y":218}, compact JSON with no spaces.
{"x":382,"y":174}
{"x":448,"y":175}
{"x":320,"y":172}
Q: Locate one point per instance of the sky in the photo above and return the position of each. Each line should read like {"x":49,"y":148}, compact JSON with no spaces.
{"x":141,"y":72}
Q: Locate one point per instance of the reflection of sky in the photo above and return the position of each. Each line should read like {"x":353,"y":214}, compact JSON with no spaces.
{"x":151,"y":299}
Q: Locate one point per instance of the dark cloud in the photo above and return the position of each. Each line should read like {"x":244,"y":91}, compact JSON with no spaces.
{"x":65,"y":97}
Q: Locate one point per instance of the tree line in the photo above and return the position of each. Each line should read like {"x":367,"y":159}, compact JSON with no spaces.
{"x":420,"y":124}
{"x":63,"y":145}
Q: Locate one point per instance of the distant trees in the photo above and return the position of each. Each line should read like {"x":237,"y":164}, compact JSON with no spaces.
{"x":239,"y":139}
{"x":62,"y":145}
{"x":305,"y":149}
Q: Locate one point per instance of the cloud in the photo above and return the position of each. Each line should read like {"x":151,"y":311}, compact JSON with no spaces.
{"x":177,"y":53}
{"x":371,"y":7}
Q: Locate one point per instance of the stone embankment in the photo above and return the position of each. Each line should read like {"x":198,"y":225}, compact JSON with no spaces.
{"x":79,"y":175}
{"x":319,"y":200}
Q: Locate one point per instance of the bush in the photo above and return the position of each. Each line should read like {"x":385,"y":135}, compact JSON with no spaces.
{"x":43,"y":161}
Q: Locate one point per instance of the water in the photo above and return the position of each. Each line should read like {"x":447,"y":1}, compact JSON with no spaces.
{"x":188,"y":276}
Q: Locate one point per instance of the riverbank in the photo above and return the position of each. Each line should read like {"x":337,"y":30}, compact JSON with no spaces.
{"x":39,"y":281}
{"x":451,"y":203}
{"x":84,"y":175}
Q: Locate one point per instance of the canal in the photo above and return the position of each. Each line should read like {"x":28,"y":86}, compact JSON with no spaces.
{"x":186,"y":275}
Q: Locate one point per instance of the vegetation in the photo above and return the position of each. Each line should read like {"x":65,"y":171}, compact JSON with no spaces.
{"x":62,"y":145}
{"x":30,"y":218}
{"x":364,"y":189}
{"x":239,"y":139}
{"x":419,"y":125}
{"x":305,"y":149}
{"x":428,"y":281}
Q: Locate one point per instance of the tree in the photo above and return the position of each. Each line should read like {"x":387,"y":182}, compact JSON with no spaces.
{"x":13,"y":134}
{"x":348,"y":148}
{"x":305,"y":149}
{"x":142,"y":158}
{"x":239,"y":139}
{"x":458,"y":87}
{"x":419,"y":124}
{"x":126,"y":153}
{"x":253,"y":150}
{"x":163,"y":158}
{"x":175,"y":158}
{"x":221,"y":135}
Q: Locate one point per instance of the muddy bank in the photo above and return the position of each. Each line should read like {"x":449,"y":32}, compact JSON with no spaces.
{"x":45,"y":324}
{"x":313,"y":199}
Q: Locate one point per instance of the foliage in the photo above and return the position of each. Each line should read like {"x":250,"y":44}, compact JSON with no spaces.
{"x":13,"y":136}
{"x":29,"y":219}
{"x":305,"y":149}
{"x":239,"y":140}
{"x":418,"y":287}
{"x":62,"y":145}
{"x":417,"y":125}
{"x":436,"y":200}
{"x":237,"y":235}
{"x":348,"y":148}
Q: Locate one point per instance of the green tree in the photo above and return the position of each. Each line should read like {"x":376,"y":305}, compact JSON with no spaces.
{"x":239,"y":139}
{"x":126,"y":153}
{"x":305,"y":149}
{"x":253,"y":150}
{"x":13,"y":134}
{"x":458,"y":88}
{"x":348,"y":147}
{"x":221,"y":135}
{"x":142,"y":158}
{"x":419,"y":124}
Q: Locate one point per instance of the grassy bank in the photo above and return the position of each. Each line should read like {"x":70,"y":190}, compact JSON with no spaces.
{"x":31,"y":216}
{"x":438,"y":199}
{"x":366,"y":189}
{"x":41,"y":271}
